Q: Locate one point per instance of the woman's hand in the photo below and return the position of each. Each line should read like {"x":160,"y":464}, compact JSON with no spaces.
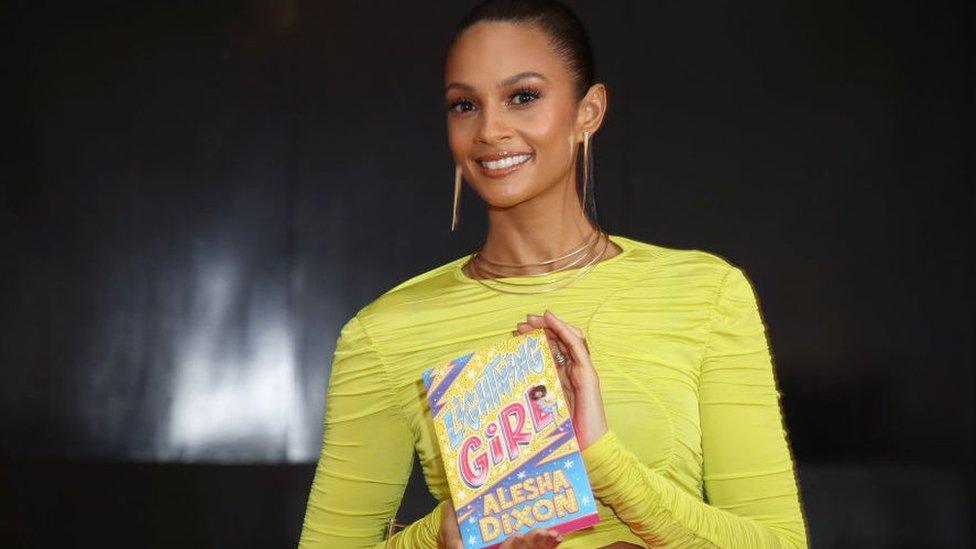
{"x":540,"y":538}
{"x":577,"y":375}
{"x":450,"y":534}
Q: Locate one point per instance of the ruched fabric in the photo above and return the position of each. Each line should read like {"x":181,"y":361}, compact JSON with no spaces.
{"x":697,"y":453}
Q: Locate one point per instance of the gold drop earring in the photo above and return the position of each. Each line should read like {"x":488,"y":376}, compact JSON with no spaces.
{"x":455,"y":214}
{"x":586,"y":164}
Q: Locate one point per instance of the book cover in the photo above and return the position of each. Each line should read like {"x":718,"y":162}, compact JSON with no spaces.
{"x":507,"y":441}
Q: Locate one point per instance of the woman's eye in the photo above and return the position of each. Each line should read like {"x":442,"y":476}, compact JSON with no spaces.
{"x":454,"y":106}
{"x":527,"y":96}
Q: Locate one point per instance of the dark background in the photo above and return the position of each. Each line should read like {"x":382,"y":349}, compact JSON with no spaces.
{"x":196,"y":195}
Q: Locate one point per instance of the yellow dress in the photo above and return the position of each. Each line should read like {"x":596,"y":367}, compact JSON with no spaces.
{"x":697,"y":454}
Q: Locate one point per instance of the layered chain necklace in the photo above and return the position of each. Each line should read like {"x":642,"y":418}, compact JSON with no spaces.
{"x":581,"y":260}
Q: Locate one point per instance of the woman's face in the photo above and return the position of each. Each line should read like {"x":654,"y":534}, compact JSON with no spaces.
{"x":507,"y":91}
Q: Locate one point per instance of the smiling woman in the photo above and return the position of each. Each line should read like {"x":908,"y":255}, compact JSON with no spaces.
{"x":515,"y":133}
{"x":664,"y":356}
{"x":499,"y":164}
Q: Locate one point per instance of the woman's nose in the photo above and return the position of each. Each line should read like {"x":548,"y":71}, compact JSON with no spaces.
{"x":493,"y":126}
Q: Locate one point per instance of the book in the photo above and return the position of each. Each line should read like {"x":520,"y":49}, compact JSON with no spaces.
{"x":507,"y":441}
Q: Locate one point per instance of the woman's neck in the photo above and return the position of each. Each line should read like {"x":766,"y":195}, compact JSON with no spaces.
{"x":540,"y":231}
{"x":534,"y":238}
{"x":548,"y":225}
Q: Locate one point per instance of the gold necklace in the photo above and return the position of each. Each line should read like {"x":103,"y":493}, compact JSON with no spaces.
{"x":586,"y":243}
{"x":495,"y":274}
{"x":550,"y":285}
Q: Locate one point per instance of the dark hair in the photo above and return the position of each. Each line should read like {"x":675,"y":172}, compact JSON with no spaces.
{"x":567,"y":36}
{"x":566,"y":33}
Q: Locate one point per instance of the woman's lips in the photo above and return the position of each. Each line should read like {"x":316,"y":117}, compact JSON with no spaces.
{"x":498,"y":173}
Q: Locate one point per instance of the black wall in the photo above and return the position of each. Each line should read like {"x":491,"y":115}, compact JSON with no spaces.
{"x":196,"y":195}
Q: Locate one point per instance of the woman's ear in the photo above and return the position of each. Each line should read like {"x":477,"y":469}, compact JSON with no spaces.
{"x":592,"y":109}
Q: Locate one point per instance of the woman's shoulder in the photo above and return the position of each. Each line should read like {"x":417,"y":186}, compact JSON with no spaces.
{"x":651,"y":260}
{"x":682,"y":277}
{"x":426,"y":287}
{"x":431,"y":277}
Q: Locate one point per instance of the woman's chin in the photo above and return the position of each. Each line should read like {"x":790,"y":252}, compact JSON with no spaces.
{"x":500,"y":198}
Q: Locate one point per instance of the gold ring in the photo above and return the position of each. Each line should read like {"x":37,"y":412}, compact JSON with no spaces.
{"x":559,"y":357}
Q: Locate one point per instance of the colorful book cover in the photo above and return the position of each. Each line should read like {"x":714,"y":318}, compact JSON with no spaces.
{"x":508,"y":444}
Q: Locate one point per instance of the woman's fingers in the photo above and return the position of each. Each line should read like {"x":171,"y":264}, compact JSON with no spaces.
{"x":541,"y":320}
{"x":561,"y":347}
{"x":562,"y":340}
{"x":512,"y":542}
{"x":540,"y":538}
{"x":535,"y":320}
{"x":569,"y":336}
{"x":524,"y":327}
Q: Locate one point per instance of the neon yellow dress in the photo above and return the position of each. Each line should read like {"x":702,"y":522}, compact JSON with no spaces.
{"x":697,"y":453}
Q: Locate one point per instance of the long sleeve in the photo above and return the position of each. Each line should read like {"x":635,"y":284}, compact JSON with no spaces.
{"x":366,"y":457}
{"x":752,"y":499}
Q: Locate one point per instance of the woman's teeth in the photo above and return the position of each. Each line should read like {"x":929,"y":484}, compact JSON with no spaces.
{"x":506,"y":162}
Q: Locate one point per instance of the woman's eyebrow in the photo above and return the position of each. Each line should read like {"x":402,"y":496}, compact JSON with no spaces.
{"x":507,"y":82}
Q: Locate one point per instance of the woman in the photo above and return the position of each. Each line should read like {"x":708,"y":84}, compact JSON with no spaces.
{"x":664,"y":355}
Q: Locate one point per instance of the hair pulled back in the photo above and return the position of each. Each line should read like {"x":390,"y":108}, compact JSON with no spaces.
{"x":565,"y":31}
